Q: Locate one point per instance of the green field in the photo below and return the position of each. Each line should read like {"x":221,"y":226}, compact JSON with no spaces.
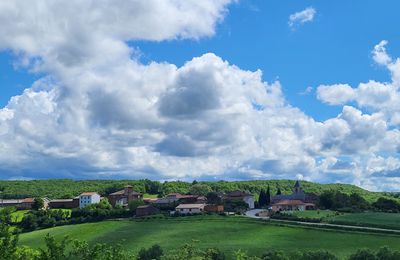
{"x":227,"y":234}
{"x":385,"y":220}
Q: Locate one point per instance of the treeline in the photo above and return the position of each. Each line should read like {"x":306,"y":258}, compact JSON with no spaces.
{"x":46,"y":218}
{"x":354,"y":202}
{"x":65,"y":188}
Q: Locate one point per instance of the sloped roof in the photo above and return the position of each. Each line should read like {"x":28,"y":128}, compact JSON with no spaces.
{"x":122,"y":192}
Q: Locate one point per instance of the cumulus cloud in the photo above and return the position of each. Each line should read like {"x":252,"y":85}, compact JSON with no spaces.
{"x":372,"y":95}
{"x":98,"y":112}
{"x":304,"y":16}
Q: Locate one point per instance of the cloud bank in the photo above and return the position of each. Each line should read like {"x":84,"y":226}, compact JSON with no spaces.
{"x":98,"y":112}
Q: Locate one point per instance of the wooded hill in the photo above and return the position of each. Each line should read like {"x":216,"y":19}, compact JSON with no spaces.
{"x":66,"y":188}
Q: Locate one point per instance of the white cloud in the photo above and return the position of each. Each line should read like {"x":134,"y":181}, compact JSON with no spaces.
{"x":99,"y":112}
{"x":299,"y":18}
{"x":337,"y":94}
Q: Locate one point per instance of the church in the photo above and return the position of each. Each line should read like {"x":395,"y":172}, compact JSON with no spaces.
{"x":295,"y":201}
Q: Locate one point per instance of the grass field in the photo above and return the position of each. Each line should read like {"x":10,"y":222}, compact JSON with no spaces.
{"x":228,"y":234}
{"x":387,"y":220}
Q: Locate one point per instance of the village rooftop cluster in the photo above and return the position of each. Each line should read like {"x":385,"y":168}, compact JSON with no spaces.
{"x":176,"y":203}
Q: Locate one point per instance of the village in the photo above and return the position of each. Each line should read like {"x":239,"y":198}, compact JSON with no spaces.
{"x":178,"y":204}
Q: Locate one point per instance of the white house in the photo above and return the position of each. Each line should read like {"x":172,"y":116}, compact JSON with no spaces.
{"x":190,"y":208}
{"x":88,"y":198}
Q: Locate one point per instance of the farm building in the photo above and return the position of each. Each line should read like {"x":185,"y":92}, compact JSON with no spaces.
{"x":190,"y":208}
{"x":64,"y":203}
{"x":146,"y":210}
{"x":123,"y":197}
{"x":214,"y":208}
{"x":21,"y":203}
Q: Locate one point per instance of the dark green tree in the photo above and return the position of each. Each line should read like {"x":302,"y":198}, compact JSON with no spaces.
{"x":279,"y":192}
{"x":268,"y":196}
{"x":38,"y":204}
{"x":262,"y":199}
{"x":153,"y":253}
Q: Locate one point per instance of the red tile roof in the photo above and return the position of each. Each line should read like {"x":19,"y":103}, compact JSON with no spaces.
{"x":290,"y":203}
{"x":88,"y":193}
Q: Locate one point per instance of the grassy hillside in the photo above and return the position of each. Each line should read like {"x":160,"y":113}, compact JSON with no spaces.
{"x":70,"y":188}
{"x":228,"y":234}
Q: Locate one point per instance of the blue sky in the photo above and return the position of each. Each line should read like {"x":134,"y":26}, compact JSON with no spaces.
{"x":334,"y":46}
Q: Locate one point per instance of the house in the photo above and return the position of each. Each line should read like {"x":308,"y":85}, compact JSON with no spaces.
{"x":295,"y":201}
{"x":123,"y":197}
{"x":88,"y":198}
{"x":64,"y":203}
{"x":190,"y":208}
{"x":214,"y":208}
{"x":240,"y":196}
{"x":146,"y":210}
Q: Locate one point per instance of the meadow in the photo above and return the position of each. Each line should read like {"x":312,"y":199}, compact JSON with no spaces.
{"x":376,"y":219}
{"x":226,"y":233}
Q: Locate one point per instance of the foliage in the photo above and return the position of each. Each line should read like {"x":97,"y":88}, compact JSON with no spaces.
{"x":387,"y":205}
{"x":153,"y":253}
{"x":214,"y":198}
{"x":238,"y":206}
{"x":336,"y":200}
{"x":8,"y":242}
{"x":274,"y":255}
{"x":363,"y":254}
{"x":134,"y":204}
{"x":38,"y":204}
{"x":43,"y":218}
{"x":200,"y":189}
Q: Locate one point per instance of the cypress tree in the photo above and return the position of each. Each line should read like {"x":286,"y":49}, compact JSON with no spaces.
{"x":279,"y":192}
{"x":261,"y":199}
{"x":268,"y":197}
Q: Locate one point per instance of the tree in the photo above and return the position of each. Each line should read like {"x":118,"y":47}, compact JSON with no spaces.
{"x":363,"y":254}
{"x":385,"y":253}
{"x":279,"y":192}
{"x":262,"y":199}
{"x":134,"y":204}
{"x":389,"y":205}
{"x":268,"y":197}
{"x":38,"y":204}
{"x":8,"y":242}
{"x":200,"y":189}
{"x":274,"y":255}
{"x":29,"y":222}
{"x":213,"y":198}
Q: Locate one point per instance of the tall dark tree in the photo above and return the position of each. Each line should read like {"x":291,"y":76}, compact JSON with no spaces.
{"x":262,"y":199}
{"x":268,"y":197}
{"x":279,"y":192}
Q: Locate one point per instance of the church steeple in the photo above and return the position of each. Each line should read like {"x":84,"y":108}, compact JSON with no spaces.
{"x":297,"y":187}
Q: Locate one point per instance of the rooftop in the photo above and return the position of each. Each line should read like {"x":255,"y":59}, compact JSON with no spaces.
{"x":89,"y":193}
{"x":190,"y":206}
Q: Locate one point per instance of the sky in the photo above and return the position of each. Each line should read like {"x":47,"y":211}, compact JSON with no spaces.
{"x":210,"y":90}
